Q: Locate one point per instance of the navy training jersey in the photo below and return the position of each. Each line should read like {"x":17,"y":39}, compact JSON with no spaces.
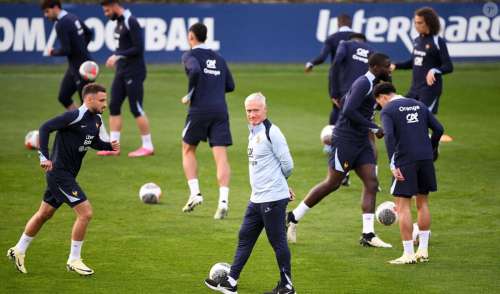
{"x":351,"y":62}
{"x":331,"y":43}
{"x":130,"y":49}
{"x":356,"y":115}
{"x":73,"y":36}
{"x":77,"y":131}
{"x":209,"y":80}
{"x":429,"y":52}
{"x":406,"y":124}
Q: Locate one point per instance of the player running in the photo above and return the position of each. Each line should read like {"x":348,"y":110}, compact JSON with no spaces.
{"x":430,"y":60}
{"x":208,"y":117}
{"x":77,"y":131}
{"x":270,"y":164}
{"x":128,"y":59}
{"x":411,"y":153}
{"x":352,"y":150}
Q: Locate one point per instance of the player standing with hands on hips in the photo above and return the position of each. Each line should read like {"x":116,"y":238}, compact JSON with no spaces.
{"x":270,"y":164}
{"x":77,"y":131}
{"x":411,"y":153}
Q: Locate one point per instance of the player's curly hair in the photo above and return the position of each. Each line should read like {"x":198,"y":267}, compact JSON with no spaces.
{"x":431,"y":19}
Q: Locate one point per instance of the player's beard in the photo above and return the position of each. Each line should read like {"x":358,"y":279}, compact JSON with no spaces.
{"x":113,"y":16}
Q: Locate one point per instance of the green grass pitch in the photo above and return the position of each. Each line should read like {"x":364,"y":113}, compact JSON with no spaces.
{"x":138,"y":248}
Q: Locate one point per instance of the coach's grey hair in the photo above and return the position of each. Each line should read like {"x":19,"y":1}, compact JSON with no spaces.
{"x":256,"y":96}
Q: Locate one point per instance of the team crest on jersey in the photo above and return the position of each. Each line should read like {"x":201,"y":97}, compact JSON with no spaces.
{"x":75,"y":193}
{"x":346,"y":165}
{"x":257,"y":140}
{"x":427,"y":46}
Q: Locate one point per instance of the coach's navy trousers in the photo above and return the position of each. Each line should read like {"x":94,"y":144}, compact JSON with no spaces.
{"x":271,"y":216}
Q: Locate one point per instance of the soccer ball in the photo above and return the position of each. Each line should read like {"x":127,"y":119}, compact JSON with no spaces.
{"x":326,"y":135}
{"x":89,"y":70}
{"x":219,"y":271}
{"x":31,"y":140}
{"x":150,"y":193}
{"x":386,"y":213}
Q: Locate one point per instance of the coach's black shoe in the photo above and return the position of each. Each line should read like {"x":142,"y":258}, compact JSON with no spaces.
{"x":224,"y":286}
{"x":371,"y":240}
{"x":279,"y":289}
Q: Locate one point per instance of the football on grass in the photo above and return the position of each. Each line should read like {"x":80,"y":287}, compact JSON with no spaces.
{"x":150,"y":193}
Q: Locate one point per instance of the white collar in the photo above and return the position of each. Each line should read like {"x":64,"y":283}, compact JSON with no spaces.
{"x":254,"y":129}
{"x":62,"y":14}
{"x":201,"y":46}
{"x":345,"y":29}
{"x":127,"y":13}
{"x":370,"y":76}
{"x":396,"y":97}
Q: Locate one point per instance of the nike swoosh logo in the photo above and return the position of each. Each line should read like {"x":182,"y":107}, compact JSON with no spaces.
{"x":83,"y":126}
{"x":81,"y":269}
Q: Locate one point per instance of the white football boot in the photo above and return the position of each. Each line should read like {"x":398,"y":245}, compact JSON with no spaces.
{"x":221,"y":211}
{"x":77,"y":265}
{"x":18,"y":259}
{"x":193,"y":201}
{"x":422,"y":255}
{"x":404,"y":259}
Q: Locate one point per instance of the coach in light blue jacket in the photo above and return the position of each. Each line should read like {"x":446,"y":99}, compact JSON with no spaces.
{"x":270,"y":164}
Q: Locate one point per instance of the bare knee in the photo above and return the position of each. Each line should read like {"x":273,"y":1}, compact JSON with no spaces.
{"x":44,"y":215}
{"x":85,"y":216}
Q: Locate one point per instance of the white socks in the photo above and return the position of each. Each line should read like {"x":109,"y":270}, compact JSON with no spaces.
{"x":115,"y":136}
{"x":408,"y":247}
{"x":300,"y":211}
{"x":223,"y":196}
{"x":368,"y":223}
{"x":76,"y":249}
{"x":23,"y":243}
{"x":194,"y":187}
{"x":146,"y":142}
{"x":423,"y":239}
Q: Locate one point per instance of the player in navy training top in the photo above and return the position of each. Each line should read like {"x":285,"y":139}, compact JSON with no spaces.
{"x":73,"y":36}
{"x":128,"y":59}
{"x":208,"y":118}
{"x":77,"y":131}
{"x":350,"y":62}
{"x":353,"y":150}
{"x":430,"y":60}
{"x":411,"y":153}
{"x":330,"y":47}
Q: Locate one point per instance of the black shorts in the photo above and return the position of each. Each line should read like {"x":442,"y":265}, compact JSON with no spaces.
{"x":429,"y":98}
{"x":420,"y":178}
{"x":211,"y":126}
{"x":348,"y":155}
{"x":63,"y":189}
{"x":71,"y":83}
{"x":127,"y":86}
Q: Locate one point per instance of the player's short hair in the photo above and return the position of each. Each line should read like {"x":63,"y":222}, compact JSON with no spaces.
{"x":258,"y":96}
{"x":358,"y":36}
{"x":377,"y":59}
{"x":383,"y":88}
{"x":200,"y":31}
{"x":109,"y":2}
{"x":431,"y":19}
{"x":344,"y":20}
{"x":50,"y":4}
{"x":92,"y":88}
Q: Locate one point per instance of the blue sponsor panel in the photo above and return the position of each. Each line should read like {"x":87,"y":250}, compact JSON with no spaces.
{"x":255,"y":32}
